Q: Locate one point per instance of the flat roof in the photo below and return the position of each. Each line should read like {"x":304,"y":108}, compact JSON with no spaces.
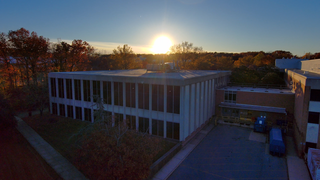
{"x":182,"y":77}
{"x":261,"y":90}
{"x":254,"y":107}
{"x":308,"y":75}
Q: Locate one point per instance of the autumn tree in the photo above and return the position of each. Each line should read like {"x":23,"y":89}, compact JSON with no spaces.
{"x":30,"y":51}
{"x":224,"y":63}
{"x":7,"y":69}
{"x":185,"y":53}
{"x":123,"y":57}
{"x":110,"y":150}
{"x":279,"y":54}
{"x":80,"y":51}
{"x":61,"y":55}
{"x":37,"y":97}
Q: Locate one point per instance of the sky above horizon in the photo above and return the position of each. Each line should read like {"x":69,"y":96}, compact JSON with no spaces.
{"x":216,"y":26}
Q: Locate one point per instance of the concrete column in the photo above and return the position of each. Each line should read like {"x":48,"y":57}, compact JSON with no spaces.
{"x":209,"y":99}
{"x":124,"y":89}
{"x":57,"y":93}
{"x":91,"y":95}
{"x":112,"y":97}
{"x":187,"y":110}
{"x":150,"y":106}
{"x":165,"y":111}
{"x":65,"y":96}
{"x":82,"y":99}
{"x":182,"y":134}
{"x":137,"y":105}
{"x":213,"y":98}
{"x":206,"y":107}
{"x":50,"y":97}
{"x":197,"y":113}
{"x":73,"y":99}
{"x":193,"y":124}
{"x":202,"y":104}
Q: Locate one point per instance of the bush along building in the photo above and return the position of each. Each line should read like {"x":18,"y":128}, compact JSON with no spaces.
{"x":173,"y":104}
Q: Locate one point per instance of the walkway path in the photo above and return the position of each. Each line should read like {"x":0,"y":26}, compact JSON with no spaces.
{"x":61,"y":165}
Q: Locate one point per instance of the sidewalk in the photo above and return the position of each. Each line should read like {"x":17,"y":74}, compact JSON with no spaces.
{"x":61,"y":165}
{"x":172,"y":165}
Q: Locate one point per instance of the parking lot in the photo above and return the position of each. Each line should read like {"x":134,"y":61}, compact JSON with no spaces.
{"x":227,"y":152}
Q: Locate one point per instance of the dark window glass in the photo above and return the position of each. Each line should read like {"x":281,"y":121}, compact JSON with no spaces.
{"x":310,"y":145}
{"x":62,"y":110}
{"x":69,"y":88}
{"x":313,"y":117}
{"x":169,"y":130}
{"x":143,"y":92}
{"x":230,"y":96}
{"x":131,"y":122}
{"x":157,"y":127}
{"x":130,"y":95}
{"x":86,"y":90}
{"x":315,"y":95}
{"x":173,"y":130}
{"x":70,"y":111}
{"x":87,"y":114}
{"x":170,"y":99}
{"x":107,"y":92}
{"x":53,"y":87}
{"x":79,"y":113}
{"x":54,"y":108}
{"x":157,"y":97}
{"x":144,"y":125}
{"x":176,"y":103}
{"x":61,"y":88}
{"x":96,"y":90}
{"x":118,"y":94}
{"x":77,"y":89}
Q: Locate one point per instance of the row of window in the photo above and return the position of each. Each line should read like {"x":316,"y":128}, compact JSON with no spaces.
{"x":313,"y":117}
{"x":157,"y":94}
{"x":230,"y":96}
{"x":157,"y":125}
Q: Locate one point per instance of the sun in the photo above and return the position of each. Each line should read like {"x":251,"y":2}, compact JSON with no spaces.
{"x":161,"y":45}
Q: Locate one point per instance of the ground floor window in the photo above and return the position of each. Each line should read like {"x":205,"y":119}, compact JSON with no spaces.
{"x":157,"y":127}
{"x":173,"y":130}
{"x":144,"y":125}
{"x":131,"y":122}
{"x":70,"y":111}
{"x":87,"y":114}
{"x":62,"y":110}
{"x":54,"y":108}
{"x":79,"y":113}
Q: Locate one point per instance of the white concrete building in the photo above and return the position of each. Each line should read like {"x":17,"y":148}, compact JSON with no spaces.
{"x":171,"y":105}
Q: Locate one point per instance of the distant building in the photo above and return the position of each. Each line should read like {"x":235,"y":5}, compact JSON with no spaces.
{"x":171,"y":105}
{"x":291,"y":63}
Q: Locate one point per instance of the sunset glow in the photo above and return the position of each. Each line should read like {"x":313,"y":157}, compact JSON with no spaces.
{"x":161,"y":45}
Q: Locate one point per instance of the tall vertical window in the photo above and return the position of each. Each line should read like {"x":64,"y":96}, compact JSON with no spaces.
{"x":62,"y":110}
{"x":173,"y":99}
{"x":69,"y":88}
{"x":315,"y":95}
{"x":86,"y":90}
{"x":61,"y":88}
{"x":144,"y":125}
{"x":53,"y":87}
{"x":107,"y":92}
{"x":173,"y":130}
{"x":118,"y":94}
{"x":70,"y":111}
{"x":79,"y":113}
{"x":230,"y":96}
{"x":87,"y":114}
{"x":157,"y":127}
{"x":313,"y":117}
{"x":77,"y":89}
{"x":131,"y":122}
{"x":157,"y":98}
{"x":143,"y":96}
{"x":96,"y":90}
{"x":54,"y":108}
{"x":130,"y":95}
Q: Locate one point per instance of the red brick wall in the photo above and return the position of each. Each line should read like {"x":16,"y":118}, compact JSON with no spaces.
{"x":219,"y":99}
{"x":266,"y":99}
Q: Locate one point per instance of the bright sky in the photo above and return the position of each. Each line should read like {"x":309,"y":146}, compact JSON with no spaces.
{"x":216,"y":25}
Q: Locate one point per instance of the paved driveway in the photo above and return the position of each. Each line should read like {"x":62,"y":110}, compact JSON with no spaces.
{"x":227,"y":153}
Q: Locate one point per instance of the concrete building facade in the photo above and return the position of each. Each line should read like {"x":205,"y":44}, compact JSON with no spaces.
{"x":305,"y":82}
{"x":171,"y":105}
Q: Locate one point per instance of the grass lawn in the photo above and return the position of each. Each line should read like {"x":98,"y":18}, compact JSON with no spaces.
{"x":18,"y":160}
{"x":57,"y":131}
